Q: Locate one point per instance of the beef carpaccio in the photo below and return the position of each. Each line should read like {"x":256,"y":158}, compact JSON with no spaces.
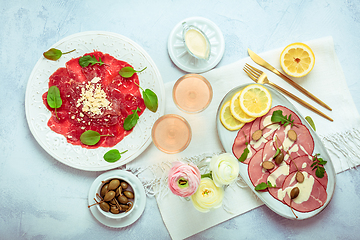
{"x":298,"y":157}
{"x":94,"y":98}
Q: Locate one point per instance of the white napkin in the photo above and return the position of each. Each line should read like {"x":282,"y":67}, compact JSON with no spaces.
{"x":341,"y":137}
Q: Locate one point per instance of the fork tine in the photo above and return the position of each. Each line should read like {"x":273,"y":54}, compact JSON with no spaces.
{"x":254,"y":73}
{"x":254,"y":68}
{"x":250,"y":74}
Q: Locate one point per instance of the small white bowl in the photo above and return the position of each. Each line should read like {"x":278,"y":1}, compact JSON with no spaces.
{"x":122,"y":219}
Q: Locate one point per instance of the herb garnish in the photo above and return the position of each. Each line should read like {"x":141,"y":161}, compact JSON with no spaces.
{"x":91,"y":137}
{"x":131,"y":120}
{"x":54,"y":54}
{"x":244,"y":155}
{"x":277,"y":116}
{"x":53,"y":98}
{"x":127,"y":72}
{"x":86,"y":60}
{"x":311,"y":122}
{"x":150,"y":98}
{"x":264,"y":185}
{"x":318,"y":164}
{"x":113,"y":155}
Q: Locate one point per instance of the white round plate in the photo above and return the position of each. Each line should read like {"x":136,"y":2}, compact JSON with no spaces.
{"x":183,"y":59}
{"x":38,"y":115}
{"x":227,"y":139}
{"x":139,"y":193}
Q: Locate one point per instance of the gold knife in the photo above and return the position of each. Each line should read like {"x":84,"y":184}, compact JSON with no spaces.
{"x":258,"y":60}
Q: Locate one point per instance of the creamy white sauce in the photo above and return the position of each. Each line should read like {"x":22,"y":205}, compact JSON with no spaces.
{"x":196,"y":43}
{"x":283,"y":169}
{"x":294,"y":148}
{"x":257,"y":144}
{"x":305,"y":188}
{"x":273,"y":127}
{"x":303,"y":149}
{"x":304,"y":165}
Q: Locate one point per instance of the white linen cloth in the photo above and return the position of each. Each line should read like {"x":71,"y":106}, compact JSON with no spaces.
{"x":341,"y":137}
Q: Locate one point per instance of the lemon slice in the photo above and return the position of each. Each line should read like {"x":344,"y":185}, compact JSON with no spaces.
{"x":297,"y":59}
{"x":227,"y":118}
{"x":237,"y":111}
{"x":255,"y":100}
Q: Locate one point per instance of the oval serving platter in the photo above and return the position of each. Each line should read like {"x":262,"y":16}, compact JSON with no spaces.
{"x":227,"y":139}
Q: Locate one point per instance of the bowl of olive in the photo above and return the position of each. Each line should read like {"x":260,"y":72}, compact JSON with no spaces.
{"x":115,"y":197}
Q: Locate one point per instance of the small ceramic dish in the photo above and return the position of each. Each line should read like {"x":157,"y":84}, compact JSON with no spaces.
{"x":122,"y":219}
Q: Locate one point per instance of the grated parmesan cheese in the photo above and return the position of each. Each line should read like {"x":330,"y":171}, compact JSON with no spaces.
{"x":93,"y":98}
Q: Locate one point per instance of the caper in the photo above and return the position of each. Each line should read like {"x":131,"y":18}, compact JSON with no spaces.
{"x":104,"y":206}
{"x":257,"y":135}
{"x":122,"y":199}
{"x":114,"y":209}
{"x":114,"y":184}
{"x":268,"y":165}
{"x":300,"y":177}
{"x":124,"y":185}
{"x":279,"y":158}
{"x":104,"y":190}
{"x":109,"y":196}
{"x":129,"y":194}
{"x":294,"y":192}
{"x":124,"y":207}
{"x":118,"y":191}
{"x":292,"y":135}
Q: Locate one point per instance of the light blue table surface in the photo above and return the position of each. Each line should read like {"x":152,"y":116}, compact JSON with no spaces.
{"x":41,"y":198}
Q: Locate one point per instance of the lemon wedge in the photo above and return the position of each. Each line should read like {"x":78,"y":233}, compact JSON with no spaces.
{"x":227,"y":119}
{"x":255,"y":100}
{"x":237,"y":111}
{"x":297,"y":59}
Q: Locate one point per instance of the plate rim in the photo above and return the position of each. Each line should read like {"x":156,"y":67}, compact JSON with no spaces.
{"x":260,"y":195}
{"x":141,"y":148}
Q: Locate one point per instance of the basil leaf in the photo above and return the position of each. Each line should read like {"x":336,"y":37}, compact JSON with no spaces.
{"x":90,"y":137}
{"x":150,"y":100}
{"x":54,"y":54}
{"x":53,"y":98}
{"x":244,"y":155}
{"x":113,"y":155}
{"x":261,"y":186}
{"x":88,"y":59}
{"x":127,"y":72}
{"x":131,"y":120}
{"x":311,"y":122}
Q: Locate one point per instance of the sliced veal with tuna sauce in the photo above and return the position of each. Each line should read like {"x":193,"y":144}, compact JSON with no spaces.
{"x":94,"y":98}
{"x":312,"y":194}
{"x":297,"y":145}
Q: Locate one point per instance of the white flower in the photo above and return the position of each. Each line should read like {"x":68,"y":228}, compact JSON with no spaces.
{"x":225,"y":169}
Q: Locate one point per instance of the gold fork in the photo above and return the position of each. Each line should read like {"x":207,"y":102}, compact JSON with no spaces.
{"x":260,"y":77}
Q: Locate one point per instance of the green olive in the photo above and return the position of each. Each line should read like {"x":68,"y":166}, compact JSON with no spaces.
{"x":104,"y":190}
{"x":129,"y":194}
{"x":115,"y":183}
{"x":109,"y":196}
{"x":124,"y":185}
{"x":122,"y":199}
{"x":104,"y":206}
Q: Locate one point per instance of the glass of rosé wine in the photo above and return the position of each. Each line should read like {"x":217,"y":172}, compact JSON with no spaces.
{"x":171,"y":133}
{"x":192,"y":93}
